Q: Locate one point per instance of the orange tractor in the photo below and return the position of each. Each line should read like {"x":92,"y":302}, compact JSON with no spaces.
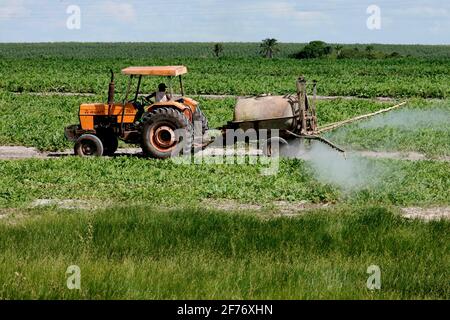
{"x":153,"y":125}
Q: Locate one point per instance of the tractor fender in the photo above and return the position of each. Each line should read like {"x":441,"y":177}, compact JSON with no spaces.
{"x":186,"y":110}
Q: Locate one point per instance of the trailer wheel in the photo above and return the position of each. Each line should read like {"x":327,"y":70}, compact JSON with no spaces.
{"x":88,"y":145}
{"x":275,"y":147}
{"x":161,"y":137}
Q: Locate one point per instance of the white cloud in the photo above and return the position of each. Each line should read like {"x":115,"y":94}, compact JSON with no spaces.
{"x":426,"y":11}
{"x":287,"y":10}
{"x":11,"y":9}
{"x":440,"y":27}
{"x":124,"y":12}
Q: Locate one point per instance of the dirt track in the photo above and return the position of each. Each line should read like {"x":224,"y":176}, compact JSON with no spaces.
{"x":20,"y":152}
{"x":271,"y":210}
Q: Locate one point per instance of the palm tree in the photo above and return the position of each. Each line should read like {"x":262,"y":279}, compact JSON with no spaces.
{"x":218,"y":49}
{"x":338,"y":48}
{"x":269,"y":47}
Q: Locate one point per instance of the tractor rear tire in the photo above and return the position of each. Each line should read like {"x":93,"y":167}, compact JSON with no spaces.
{"x":199,"y":116}
{"x":88,"y":145}
{"x":109,"y":141}
{"x":161,"y":137}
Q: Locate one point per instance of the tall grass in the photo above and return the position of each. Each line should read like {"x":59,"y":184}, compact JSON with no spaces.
{"x":143,"y":253}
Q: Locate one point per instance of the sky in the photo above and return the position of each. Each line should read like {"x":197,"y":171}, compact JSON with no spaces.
{"x":334,"y":21}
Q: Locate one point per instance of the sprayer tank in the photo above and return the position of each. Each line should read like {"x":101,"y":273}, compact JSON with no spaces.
{"x":270,"y":112}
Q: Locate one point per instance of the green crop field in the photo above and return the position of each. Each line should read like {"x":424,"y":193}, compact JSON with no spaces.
{"x":152,"y":229}
{"x":135,"y":180}
{"x":85,"y":68}
{"x":241,"y":76}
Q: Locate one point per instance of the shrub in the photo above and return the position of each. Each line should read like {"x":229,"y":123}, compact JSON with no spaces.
{"x":368,"y":53}
{"x":314,"y":49}
{"x":352,"y":53}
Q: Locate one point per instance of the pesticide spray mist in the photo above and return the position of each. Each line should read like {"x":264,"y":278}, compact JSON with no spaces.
{"x":330,"y":166}
{"x":356,"y":172}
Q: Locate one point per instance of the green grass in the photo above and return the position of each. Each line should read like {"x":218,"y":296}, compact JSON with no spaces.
{"x":329,"y":111}
{"x":217,"y":111}
{"x":142,"y":253}
{"x":38,"y":121}
{"x":126,"y":180}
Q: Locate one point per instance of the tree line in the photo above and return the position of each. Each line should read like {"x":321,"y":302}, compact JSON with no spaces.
{"x":315,"y":49}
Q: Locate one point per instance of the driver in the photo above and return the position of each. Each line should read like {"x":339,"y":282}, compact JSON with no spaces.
{"x":160,"y":95}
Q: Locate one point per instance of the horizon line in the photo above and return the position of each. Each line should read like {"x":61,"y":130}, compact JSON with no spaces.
{"x":223,"y":42}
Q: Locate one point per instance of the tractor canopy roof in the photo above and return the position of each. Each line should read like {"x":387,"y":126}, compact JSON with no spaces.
{"x":155,"y":71}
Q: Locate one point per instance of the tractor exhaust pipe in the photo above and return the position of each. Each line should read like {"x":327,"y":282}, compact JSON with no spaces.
{"x":111,"y":89}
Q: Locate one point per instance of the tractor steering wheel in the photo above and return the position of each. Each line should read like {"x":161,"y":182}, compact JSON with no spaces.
{"x":146,"y":100}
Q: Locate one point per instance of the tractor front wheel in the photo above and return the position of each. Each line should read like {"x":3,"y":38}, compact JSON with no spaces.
{"x":88,"y":145}
{"x":166,"y":132}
